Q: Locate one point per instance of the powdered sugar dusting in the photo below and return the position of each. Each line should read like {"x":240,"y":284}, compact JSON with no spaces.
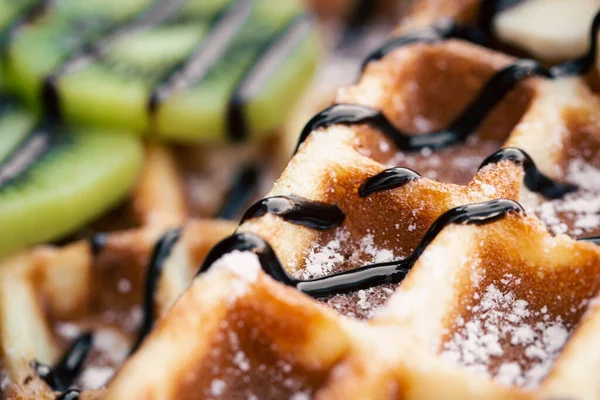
{"x":242,"y":263}
{"x":96,"y":377}
{"x":323,"y":260}
{"x":576,"y":214}
{"x":506,"y":340}
{"x":245,"y":265}
{"x":242,"y":367}
{"x":362,"y":304}
{"x":455,"y":164}
{"x":217,"y":387}
{"x":339,"y":253}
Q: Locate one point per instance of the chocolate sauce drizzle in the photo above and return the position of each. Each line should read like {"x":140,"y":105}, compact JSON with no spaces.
{"x":206,"y":54}
{"x":481,"y":34}
{"x":262,"y":69}
{"x":63,"y":375}
{"x":161,"y":253}
{"x":37,"y":145}
{"x":242,"y":189}
{"x":368,"y":275}
{"x":299,"y":211}
{"x":535,"y":180}
{"x":253,"y":243}
{"x":595,"y":240}
{"x":363,"y":11}
{"x":440,"y":30}
{"x":72,"y":394}
{"x":458,"y":131}
{"x":194,"y":69}
{"x":391,"y":178}
{"x":466,"y":123}
{"x":157,"y":12}
{"x":98,"y":242}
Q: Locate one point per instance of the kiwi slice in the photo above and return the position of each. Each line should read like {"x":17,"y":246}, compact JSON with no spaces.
{"x":64,"y":28}
{"x":54,"y":180}
{"x":199,"y":71}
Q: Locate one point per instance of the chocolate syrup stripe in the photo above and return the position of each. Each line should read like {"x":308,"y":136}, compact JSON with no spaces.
{"x":157,"y":12}
{"x":292,"y":208}
{"x":69,"y":367}
{"x":43,"y":140}
{"x":368,"y":275}
{"x":198,"y":64}
{"x":388,"y":179}
{"x":72,"y":394}
{"x":299,"y":211}
{"x":162,"y":251}
{"x":534,"y":179}
{"x":251,"y":242}
{"x":317,"y":215}
{"x":595,"y":240}
{"x":273,"y":53}
{"x":458,"y":131}
{"x":65,"y":373}
{"x":97,"y":243}
{"x":206,"y":55}
{"x":322,"y":216}
{"x":445,"y":28}
{"x":466,"y":123}
{"x":261,"y":70}
{"x":440,"y":30}
{"x":363,"y":11}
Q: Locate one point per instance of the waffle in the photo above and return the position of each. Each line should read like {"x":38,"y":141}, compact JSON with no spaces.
{"x":455,"y":267}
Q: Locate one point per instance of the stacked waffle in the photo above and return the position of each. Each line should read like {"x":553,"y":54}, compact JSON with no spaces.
{"x":462,"y":270}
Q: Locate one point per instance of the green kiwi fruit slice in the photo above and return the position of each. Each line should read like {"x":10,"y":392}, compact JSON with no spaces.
{"x":54,"y":180}
{"x":186,"y":70}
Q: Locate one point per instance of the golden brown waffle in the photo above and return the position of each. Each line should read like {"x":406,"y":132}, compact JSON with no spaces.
{"x":493,"y":305}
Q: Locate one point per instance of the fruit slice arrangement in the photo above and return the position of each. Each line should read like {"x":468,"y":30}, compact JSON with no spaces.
{"x":185,"y":70}
{"x":54,"y":179}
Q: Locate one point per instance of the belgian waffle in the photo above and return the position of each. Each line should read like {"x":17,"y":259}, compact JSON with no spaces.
{"x":466,"y":295}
